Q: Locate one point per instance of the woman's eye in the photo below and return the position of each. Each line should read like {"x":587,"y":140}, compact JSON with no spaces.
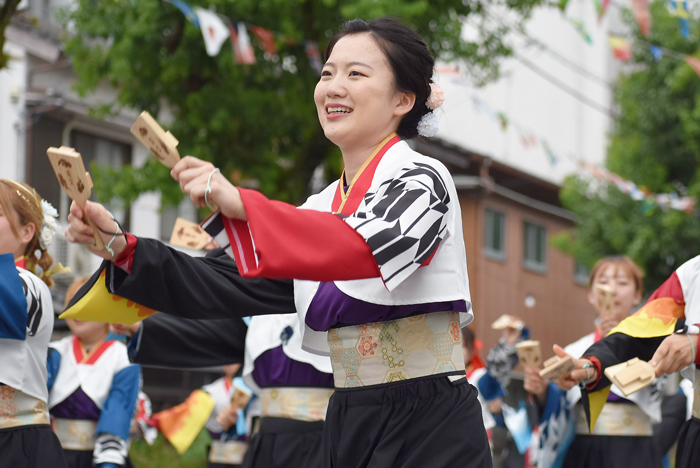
{"x":356,"y":73}
{"x":325,"y":73}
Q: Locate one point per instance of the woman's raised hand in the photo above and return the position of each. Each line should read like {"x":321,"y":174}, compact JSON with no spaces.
{"x":79,"y":232}
{"x":204,"y":183}
{"x":578,"y":375}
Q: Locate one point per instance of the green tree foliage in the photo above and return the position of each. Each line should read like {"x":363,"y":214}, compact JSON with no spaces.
{"x":257,"y":122}
{"x":655,"y":142}
{"x":7,"y":11}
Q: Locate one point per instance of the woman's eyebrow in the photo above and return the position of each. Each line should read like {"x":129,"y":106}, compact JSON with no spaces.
{"x":350,"y":64}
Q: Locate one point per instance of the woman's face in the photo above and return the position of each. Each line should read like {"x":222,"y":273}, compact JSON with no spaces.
{"x":623,"y":291}
{"x":356,"y":98}
{"x":9,"y":242}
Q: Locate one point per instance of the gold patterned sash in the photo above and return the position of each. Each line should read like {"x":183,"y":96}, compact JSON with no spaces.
{"x":75,"y":434}
{"x":407,"y":348}
{"x":300,"y":403}
{"x":20,"y":409}
{"x":227,"y":453}
{"x":616,"y":419}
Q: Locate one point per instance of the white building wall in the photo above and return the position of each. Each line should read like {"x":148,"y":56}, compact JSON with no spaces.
{"x":532,"y":103}
{"x":12,"y":122}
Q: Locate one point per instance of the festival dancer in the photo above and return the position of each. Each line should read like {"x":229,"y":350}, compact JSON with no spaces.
{"x":665,"y":333}
{"x":378,"y":259}
{"x":27,"y":224}
{"x":93,"y":390}
{"x":293,"y":386}
{"x":624,"y":433}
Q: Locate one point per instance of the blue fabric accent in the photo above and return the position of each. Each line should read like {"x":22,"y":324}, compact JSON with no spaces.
{"x":187,"y":11}
{"x":13,"y":301}
{"x":114,"y":337}
{"x":554,"y":400}
{"x":107,"y":465}
{"x":489,"y":387}
{"x":118,"y":409}
{"x":53,"y":363}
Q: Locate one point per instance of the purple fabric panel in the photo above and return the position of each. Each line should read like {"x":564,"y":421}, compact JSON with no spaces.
{"x":273,"y":368}
{"x":76,"y":406}
{"x":331,"y":307}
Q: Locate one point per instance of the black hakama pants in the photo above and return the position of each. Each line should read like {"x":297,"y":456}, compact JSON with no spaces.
{"x":32,"y":446}
{"x":613,"y":452}
{"x":425,"y":423}
{"x":688,"y":452}
{"x":285,"y":443}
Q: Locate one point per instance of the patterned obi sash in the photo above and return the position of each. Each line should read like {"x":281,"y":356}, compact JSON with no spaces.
{"x":696,"y":393}
{"x":300,"y":403}
{"x":616,"y":419}
{"x":230,"y":452}
{"x":20,"y":409}
{"x":75,"y":434}
{"x":407,"y":348}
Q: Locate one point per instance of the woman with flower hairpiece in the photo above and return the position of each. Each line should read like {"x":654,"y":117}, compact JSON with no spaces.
{"x":27,"y":224}
{"x":378,"y":259}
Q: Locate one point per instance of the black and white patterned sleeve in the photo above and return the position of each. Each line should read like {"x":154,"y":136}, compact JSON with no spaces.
{"x":501,"y":361}
{"x":35,"y":309}
{"x":403,"y":221}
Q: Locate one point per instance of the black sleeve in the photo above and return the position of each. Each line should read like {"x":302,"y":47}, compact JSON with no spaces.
{"x":618,"y":348}
{"x":166,"y":341}
{"x":208,"y":287}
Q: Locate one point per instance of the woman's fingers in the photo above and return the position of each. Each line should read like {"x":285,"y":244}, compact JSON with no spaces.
{"x":187,"y":163}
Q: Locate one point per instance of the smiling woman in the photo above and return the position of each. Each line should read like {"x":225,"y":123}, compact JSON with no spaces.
{"x":378,"y":260}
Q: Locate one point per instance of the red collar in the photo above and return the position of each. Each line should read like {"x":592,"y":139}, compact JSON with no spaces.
{"x":347,"y":203}
{"x":21,"y":262}
{"x":82,"y":357}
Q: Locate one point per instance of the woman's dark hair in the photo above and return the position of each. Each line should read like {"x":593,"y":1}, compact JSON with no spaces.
{"x":468,"y":337}
{"x":410,"y":60}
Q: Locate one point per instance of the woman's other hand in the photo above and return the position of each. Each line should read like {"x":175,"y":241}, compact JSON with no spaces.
{"x":578,"y":375}
{"x":195,"y":176}
{"x":80,"y":232}
{"x":674,"y":353}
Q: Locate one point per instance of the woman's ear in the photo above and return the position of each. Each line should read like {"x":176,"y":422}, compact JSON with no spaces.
{"x":26,"y":233}
{"x":405,"y":103}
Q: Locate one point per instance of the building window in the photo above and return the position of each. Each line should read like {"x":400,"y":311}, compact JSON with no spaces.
{"x":494,"y":235}
{"x":581,"y":273}
{"x":534,"y":247}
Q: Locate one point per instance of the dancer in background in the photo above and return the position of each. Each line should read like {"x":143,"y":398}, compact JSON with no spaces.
{"x":93,"y":389}
{"x":624,"y":432}
{"x":27,"y":224}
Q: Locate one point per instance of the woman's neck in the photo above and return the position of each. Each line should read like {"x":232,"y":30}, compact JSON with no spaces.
{"x":355,"y":157}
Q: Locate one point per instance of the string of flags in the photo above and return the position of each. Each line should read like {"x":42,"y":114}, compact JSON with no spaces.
{"x":528,"y":140}
{"x":217,"y":29}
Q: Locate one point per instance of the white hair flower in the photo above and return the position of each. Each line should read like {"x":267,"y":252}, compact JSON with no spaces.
{"x":428,"y":125}
{"x":436,"y":98}
{"x":48,"y":224}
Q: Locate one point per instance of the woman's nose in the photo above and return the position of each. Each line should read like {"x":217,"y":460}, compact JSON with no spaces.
{"x":336,"y":87}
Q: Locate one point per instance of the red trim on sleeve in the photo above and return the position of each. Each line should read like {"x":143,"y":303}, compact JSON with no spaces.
{"x":596,"y":364}
{"x":297,"y":243}
{"x":126,"y":257}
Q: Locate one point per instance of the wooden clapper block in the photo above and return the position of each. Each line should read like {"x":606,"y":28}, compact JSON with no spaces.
{"x":162,"y":144}
{"x":529,"y":353}
{"x":240,"y":398}
{"x":557,"y":367}
{"x":75,"y":181}
{"x":507,"y":321}
{"x":604,"y":299}
{"x":189,"y":234}
{"x":631,"y":376}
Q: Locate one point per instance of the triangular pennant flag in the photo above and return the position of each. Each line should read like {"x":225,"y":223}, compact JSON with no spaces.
{"x":680,"y":11}
{"x":550,"y":154}
{"x":601,"y":6}
{"x":581,"y":28}
{"x":621,"y":48}
{"x":562,"y":4}
{"x":213,"y":29}
{"x":186,"y":10}
{"x":266,"y":38}
{"x":503,"y":119}
{"x":640,"y":8}
{"x":694,"y":63}
{"x":245,"y":48}
{"x":314,"y":56}
{"x":657,"y":52}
